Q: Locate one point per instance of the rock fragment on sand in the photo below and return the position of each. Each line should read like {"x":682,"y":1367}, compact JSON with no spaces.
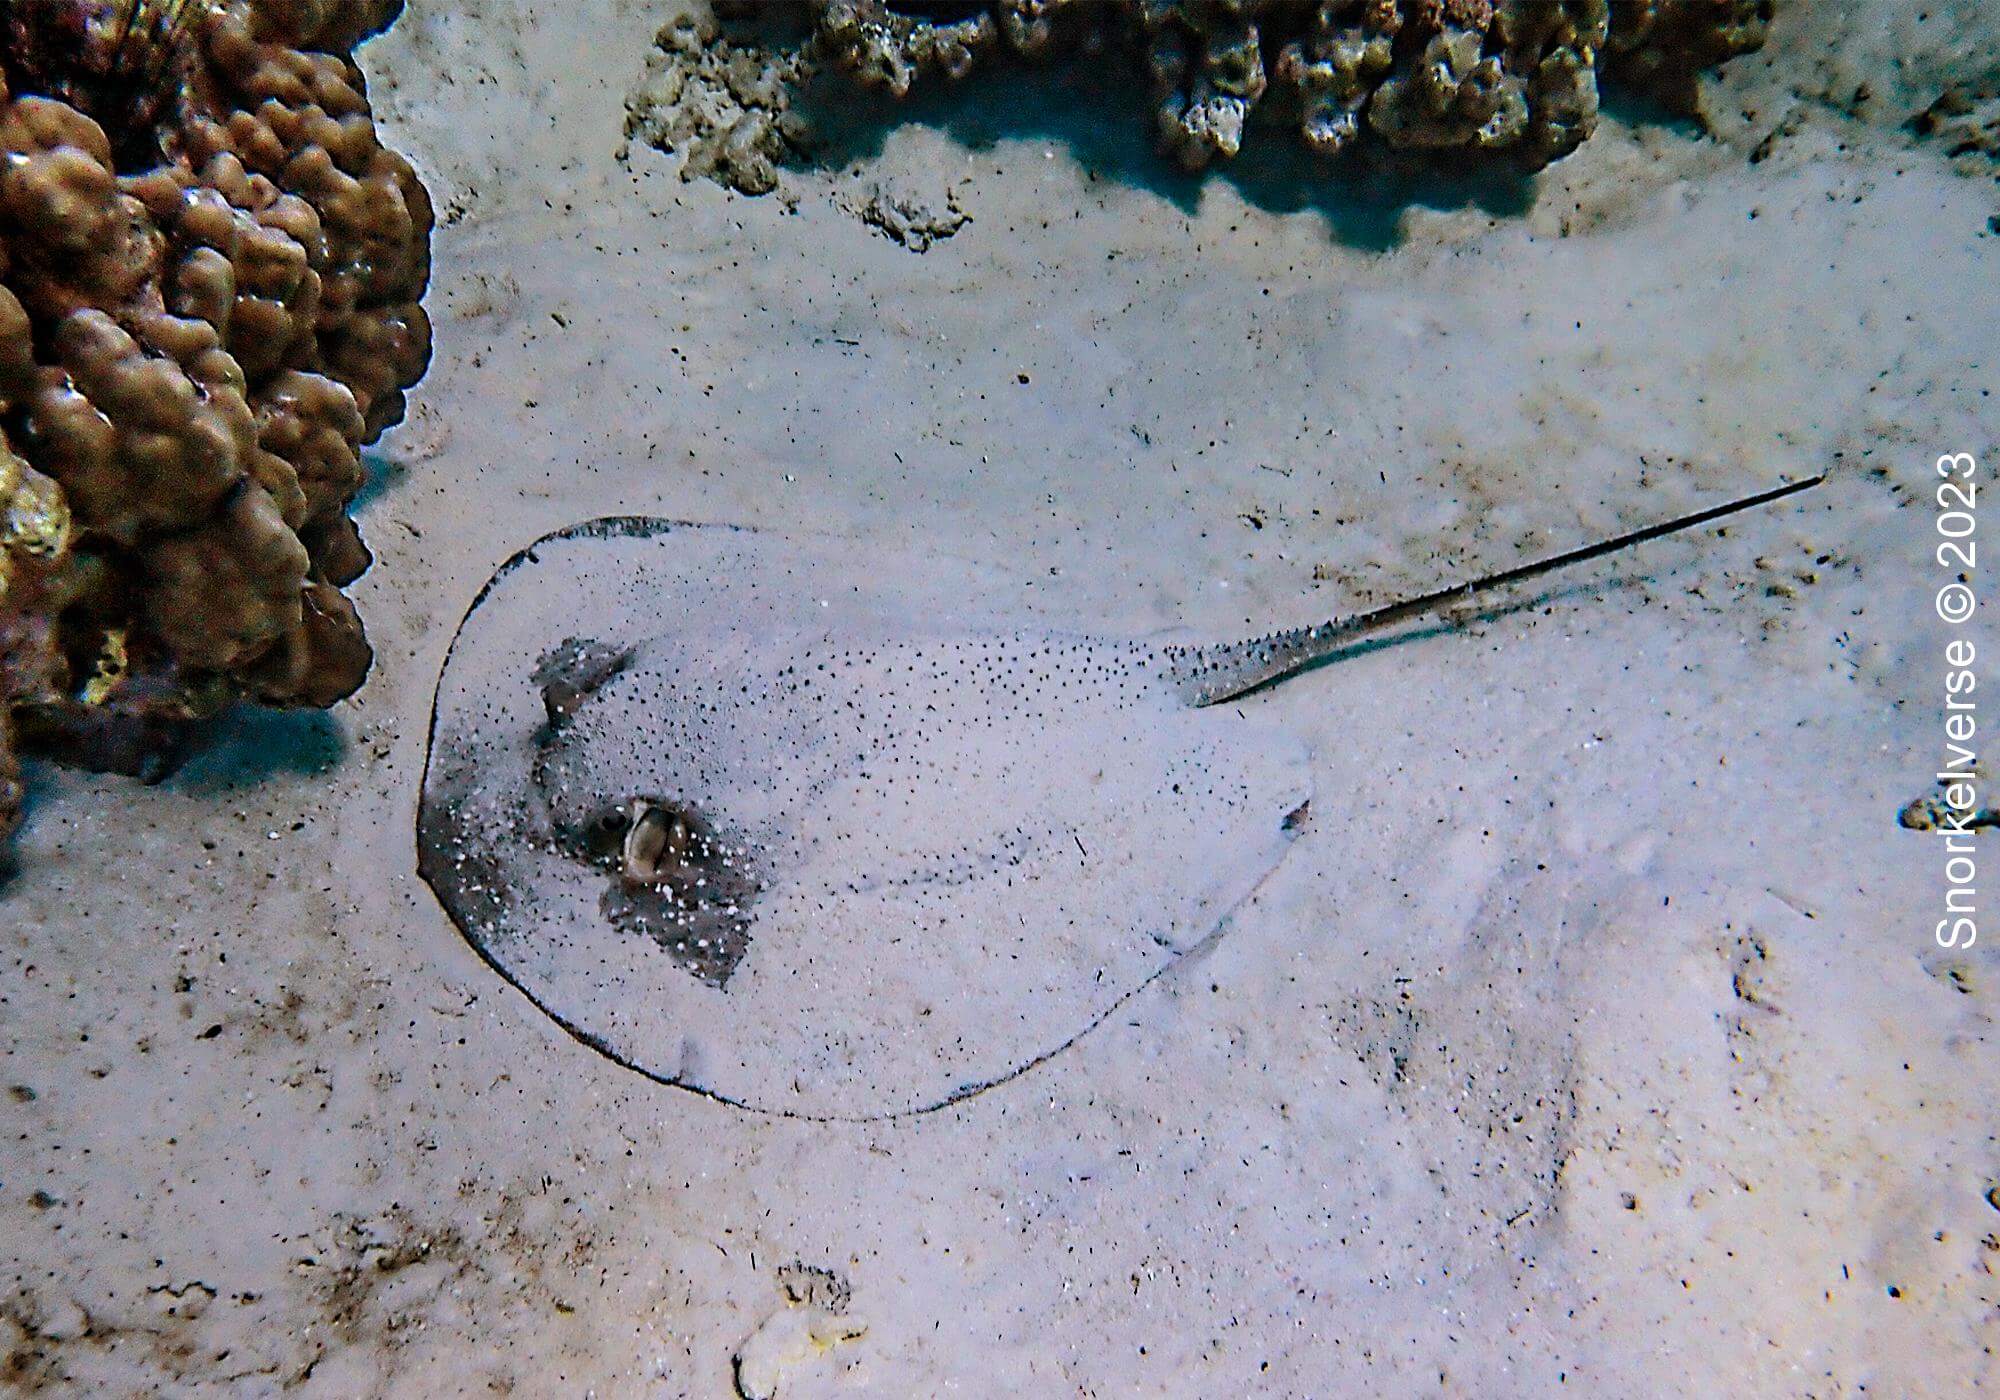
{"x":811,"y":1323}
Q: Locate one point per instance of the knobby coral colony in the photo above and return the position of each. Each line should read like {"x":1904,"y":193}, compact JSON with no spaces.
{"x":209,"y":281}
{"x":1519,"y":76}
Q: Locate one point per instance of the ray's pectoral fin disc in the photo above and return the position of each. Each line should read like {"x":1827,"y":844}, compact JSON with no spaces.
{"x":755,"y":815}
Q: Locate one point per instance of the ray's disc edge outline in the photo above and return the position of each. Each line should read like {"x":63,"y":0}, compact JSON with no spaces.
{"x":644,"y":527}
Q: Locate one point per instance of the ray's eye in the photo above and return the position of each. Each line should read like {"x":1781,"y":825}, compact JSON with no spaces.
{"x":603,"y":833}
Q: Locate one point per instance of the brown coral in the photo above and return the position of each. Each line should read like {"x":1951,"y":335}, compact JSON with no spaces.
{"x":1483,"y":76}
{"x":210,"y":283}
{"x":34,"y":535}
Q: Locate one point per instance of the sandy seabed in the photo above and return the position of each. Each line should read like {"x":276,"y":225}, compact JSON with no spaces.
{"x":1591,"y":1039}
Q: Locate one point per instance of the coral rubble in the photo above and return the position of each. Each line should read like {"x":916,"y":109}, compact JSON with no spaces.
{"x":210,"y":272}
{"x":1513,"y":76}
{"x":1965,"y":122}
{"x":910,"y":221}
{"x":725,"y":105}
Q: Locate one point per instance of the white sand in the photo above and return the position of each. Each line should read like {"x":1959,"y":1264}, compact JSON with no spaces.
{"x":1592,"y":1039}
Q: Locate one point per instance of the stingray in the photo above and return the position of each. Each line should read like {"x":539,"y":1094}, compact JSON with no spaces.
{"x":756,"y":817}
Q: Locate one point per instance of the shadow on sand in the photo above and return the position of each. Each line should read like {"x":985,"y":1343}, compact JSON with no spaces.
{"x":1361,"y":195}
{"x":245,"y":746}
{"x":240,"y":748}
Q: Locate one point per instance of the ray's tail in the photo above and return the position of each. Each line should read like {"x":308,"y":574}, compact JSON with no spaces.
{"x":1207,"y":675}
